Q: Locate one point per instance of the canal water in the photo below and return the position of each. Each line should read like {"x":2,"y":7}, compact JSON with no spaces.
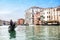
{"x":18,"y":34}
{"x":36,"y":32}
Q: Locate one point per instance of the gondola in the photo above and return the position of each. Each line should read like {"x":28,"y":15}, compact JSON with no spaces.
{"x":12,"y":27}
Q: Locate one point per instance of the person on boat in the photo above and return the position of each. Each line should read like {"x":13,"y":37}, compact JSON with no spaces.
{"x":11,"y":23}
{"x":11,"y":27}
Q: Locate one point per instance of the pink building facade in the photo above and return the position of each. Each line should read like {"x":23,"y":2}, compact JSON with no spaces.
{"x":37,"y":18}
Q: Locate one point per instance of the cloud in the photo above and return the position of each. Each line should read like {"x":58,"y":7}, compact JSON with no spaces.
{"x":5,"y":12}
{"x":8,"y":14}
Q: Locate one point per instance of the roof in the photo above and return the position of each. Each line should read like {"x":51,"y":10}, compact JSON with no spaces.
{"x":35,"y":7}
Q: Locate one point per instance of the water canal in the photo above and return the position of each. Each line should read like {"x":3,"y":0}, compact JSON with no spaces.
{"x":35,"y":32}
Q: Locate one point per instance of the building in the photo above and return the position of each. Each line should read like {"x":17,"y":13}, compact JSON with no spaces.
{"x":20,"y":21}
{"x":1,"y":22}
{"x":6,"y":22}
{"x":51,"y":15}
{"x":38,"y":15}
{"x":37,"y":18}
{"x":58,"y":11}
{"x":30,"y":14}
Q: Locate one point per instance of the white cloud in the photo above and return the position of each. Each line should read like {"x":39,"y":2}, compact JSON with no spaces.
{"x":5,"y":12}
{"x":8,"y":14}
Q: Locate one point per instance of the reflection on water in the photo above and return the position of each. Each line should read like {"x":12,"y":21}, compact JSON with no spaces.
{"x":12,"y":34}
{"x":17,"y":34}
{"x":42,"y":32}
{"x":36,"y":32}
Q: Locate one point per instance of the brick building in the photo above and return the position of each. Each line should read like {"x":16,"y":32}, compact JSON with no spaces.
{"x":20,"y":21}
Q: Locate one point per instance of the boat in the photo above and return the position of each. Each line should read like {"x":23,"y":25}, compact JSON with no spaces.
{"x":12,"y":27}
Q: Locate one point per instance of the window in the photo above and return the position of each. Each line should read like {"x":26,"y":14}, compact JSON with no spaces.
{"x":48,"y":16}
{"x":49,"y":12}
{"x":59,"y":15}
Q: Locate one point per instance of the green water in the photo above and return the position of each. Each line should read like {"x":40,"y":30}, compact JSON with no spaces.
{"x":17,"y":34}
{"x":36,"y":32}
{"x":42,"y":33}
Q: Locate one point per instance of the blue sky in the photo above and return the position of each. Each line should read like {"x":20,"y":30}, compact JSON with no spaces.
{"x":15,"y":9}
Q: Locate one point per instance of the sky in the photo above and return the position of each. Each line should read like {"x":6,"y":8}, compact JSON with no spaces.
{"x":15,"y":9}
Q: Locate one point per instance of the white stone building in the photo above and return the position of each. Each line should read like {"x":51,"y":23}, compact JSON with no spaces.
{"x":29,"y":16}
{"x":1,"y":22}
{"x":47,"y":14}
